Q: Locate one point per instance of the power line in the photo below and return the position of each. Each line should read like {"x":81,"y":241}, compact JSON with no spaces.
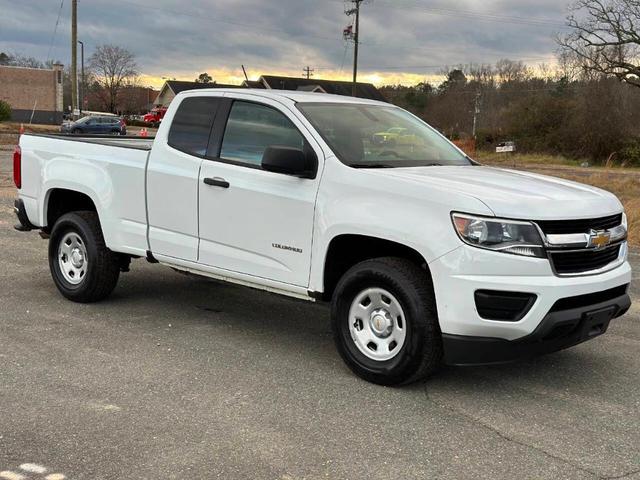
{"x":55,"y":30}
{"x":344,"y":57}
{"x":483,"y":16}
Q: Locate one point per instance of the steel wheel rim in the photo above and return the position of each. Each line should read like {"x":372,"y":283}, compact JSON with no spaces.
{"x":377,"y":324}
{"x":72,"y":258}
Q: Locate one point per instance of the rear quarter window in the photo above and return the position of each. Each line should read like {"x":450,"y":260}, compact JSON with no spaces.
{"x":191,"y":126}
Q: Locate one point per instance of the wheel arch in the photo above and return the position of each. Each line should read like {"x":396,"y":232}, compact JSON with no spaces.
{"x":347,"y":250}
{"x":61,"y":200}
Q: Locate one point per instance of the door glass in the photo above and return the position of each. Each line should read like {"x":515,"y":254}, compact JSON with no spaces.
{"x":251,"y":128}
{"x":191,"y":125}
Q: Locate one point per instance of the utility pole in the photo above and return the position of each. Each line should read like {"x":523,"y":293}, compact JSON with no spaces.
{"x":476,"y":112}
{"x":308,"y":72}
{"x":82,"y":80}
{"x":356,"y":41}
{"x":74,"y":53}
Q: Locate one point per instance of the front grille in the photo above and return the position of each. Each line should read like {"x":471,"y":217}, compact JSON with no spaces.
{"x":583,"y":261}
{"x":554,"y":227}
{"x":589,"y":299}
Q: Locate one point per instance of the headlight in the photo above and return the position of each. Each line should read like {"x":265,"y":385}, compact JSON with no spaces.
{"x":507,"y":236}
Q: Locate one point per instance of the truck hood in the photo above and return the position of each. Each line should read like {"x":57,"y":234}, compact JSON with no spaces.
{"x":515,"y":194}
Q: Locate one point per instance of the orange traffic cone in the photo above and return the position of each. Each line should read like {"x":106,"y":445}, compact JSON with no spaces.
{"x":21,"y":128}
{"x":143,"y":132}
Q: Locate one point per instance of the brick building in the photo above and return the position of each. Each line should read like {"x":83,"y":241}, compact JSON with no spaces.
{"x":33,"y":91}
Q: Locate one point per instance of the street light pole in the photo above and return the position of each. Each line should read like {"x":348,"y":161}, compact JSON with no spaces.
{"x":74,"y":60}
{"x":82,"y":83}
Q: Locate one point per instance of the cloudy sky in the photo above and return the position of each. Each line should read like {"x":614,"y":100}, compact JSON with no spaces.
{"x":403,"y":41}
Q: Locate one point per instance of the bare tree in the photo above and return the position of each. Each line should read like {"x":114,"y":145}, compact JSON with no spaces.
{"x":18,"y":60}
{"x":112,"y":67}
{"x":604,"y":38}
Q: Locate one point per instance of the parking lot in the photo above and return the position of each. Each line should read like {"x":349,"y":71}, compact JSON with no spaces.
{"x":178,"y":377}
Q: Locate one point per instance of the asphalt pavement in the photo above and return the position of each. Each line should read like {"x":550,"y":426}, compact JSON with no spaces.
{"x":178,"y":377}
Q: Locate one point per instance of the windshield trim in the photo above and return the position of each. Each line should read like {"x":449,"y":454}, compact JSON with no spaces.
{"x":398,"y":164}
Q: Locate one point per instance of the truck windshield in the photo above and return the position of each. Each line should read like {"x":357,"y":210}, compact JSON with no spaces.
{"x":376,"y":136}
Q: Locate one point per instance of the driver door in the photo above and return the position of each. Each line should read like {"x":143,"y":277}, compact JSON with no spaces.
{"x":252,"y":221}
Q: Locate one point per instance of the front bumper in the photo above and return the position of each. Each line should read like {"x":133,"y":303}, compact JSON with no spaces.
{"x":460,"y":273}
{"x":559,"y":329}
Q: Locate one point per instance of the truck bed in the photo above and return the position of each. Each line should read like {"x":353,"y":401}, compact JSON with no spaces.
{"x":108,"y":170}
{"x":124,"y":141}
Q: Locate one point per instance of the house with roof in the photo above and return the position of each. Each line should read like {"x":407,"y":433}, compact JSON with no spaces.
{"x":173,"y":87}
{"x":336,"y":87}
{"x":273,"y":82}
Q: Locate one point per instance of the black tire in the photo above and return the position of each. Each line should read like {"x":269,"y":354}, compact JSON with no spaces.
{"x":103,"y":266}
{"x":421,"y":354}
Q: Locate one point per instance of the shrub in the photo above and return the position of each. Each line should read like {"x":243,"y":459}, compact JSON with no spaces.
{"x":630,"y":154}
{"x":5,"y":111}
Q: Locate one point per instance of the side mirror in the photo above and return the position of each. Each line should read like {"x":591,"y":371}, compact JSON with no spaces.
{"x":290,"y":161}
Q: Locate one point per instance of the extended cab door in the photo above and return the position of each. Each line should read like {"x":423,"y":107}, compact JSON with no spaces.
{"x":172,"y":177}
{"x":253,"y":221}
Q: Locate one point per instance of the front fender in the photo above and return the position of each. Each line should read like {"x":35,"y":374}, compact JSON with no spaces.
{"x":357,"y":202}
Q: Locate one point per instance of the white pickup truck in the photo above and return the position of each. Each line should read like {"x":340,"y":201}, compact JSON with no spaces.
{"x":426,"y":256}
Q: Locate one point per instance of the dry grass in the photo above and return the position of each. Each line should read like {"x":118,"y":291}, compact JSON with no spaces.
{"x":13,"y":127}
{"x":519,"y":159}
{"x":9,"y":131}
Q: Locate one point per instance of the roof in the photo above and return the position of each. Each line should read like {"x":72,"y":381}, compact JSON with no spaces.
{"x":253,"y":84}
{"x":363,"y":90}
{"x":311,"y":88}
{"x":296,"y":96}
{"x":178,"y":86}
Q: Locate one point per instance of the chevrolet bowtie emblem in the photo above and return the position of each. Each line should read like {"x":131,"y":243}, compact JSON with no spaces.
{"x":599,"y":239}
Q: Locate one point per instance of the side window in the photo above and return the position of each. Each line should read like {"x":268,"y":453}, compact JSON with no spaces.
{"x":191,"y":125}
{"x":251,"y":128}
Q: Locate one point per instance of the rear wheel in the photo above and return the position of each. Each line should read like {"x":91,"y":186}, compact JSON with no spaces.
{"x":82,"y":267}
{"x":385,"y":322}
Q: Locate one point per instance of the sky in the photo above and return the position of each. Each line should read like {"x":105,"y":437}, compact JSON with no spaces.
{"x":402,"y":41}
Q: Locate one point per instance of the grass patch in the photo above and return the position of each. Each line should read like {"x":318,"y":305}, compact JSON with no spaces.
{"x":522,"y":159}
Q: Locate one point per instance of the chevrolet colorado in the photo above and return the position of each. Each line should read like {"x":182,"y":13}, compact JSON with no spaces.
{"x":426,"y":256}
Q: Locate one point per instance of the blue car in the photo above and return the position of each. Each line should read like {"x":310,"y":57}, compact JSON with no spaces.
{"x":96,"y":125}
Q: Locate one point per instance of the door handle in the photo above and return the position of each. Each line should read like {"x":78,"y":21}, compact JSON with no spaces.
{"x":216,"y":182}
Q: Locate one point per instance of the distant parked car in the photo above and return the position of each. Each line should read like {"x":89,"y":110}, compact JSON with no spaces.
{"x":97,"y":125}
{"x":394,"y":136}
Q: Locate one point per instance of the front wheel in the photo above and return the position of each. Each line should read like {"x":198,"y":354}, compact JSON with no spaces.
{"x":385,"y":322}
{"x":82,"y":267}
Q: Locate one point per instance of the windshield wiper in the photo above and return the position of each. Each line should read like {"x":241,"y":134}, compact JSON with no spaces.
{"x":370,"y":165}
